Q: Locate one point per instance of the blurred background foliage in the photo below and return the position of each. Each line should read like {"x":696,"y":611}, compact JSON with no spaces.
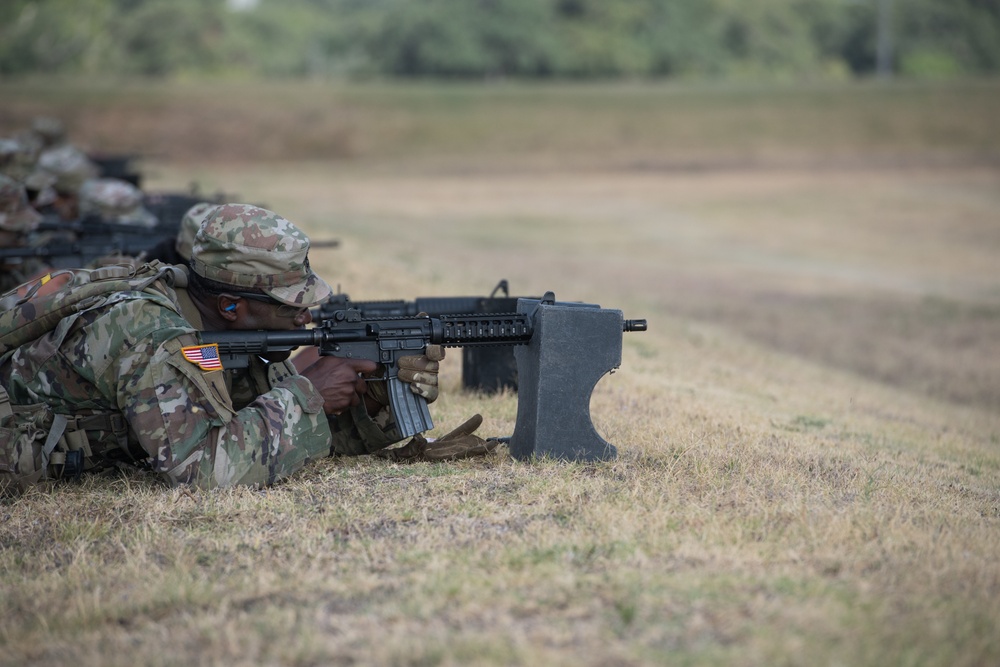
{"x":475,"y":39}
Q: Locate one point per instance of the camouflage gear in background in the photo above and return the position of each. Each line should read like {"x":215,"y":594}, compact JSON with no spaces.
{"x":16,"y":214}
{"x":40,"y":186}
{"x":115,"y":201}
{"x":252,"y":248}
{"x":19,"y":161}
{"x":70,"y":166}
{"x":190,"y":224}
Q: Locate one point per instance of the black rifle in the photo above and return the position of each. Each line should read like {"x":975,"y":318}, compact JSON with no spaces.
{"x":77,"y":243}
{"x":95,"y":225}
{"x":76,"y":254}
{"x":488,"y":369}
{"x":350,"y":334}
{"x":170,"y":207}
{"x":435,"y":306}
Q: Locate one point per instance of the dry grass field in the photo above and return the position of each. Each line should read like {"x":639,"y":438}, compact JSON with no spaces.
{"x":808,"y":434}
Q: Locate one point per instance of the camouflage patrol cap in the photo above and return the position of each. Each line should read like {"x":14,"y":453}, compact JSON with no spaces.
{"x":115,"y":200}
{"x":252,"y":248}
{"x":38,"y":180}
{"x":39,"y":184}
{"x":16,"y":215}
{"x":190,"y":224}
{"x":69,"y":165}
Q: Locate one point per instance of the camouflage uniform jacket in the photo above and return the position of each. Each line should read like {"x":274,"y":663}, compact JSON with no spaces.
{"x":194,"y":427}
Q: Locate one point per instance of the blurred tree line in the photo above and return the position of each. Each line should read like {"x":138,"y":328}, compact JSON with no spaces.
{"x":543,"y":39}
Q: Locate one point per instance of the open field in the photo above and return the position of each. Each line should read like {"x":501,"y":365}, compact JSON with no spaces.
{"x":808,"y":434}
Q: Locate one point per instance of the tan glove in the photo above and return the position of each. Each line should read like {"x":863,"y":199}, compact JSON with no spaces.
{"x":421,"y":372}
{"x":460,"y":443}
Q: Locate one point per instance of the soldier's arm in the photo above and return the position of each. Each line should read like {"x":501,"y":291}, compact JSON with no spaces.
{"x":183,"y":418}
{"x":354,"y":431}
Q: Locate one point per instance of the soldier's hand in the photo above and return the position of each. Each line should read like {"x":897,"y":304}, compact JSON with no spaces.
{"x":421,"y":372}
{"x":305,"y":357}
{"x":339,"y":381}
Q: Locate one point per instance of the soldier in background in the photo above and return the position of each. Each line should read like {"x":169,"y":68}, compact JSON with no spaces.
{"x":19,"y":161}
{"x":45,"y":134}
{"x":70,"y":168}
{"x":114,"y":201}
{"x":17,"y":220}
{"x":40,"y":186}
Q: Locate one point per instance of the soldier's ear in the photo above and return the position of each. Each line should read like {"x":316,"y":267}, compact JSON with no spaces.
{"x":228,"y":307}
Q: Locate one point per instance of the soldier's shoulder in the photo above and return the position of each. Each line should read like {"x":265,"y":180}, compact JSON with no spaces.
{"x":138,"y":314}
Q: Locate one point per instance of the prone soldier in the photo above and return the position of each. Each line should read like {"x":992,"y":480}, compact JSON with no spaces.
{"x":127,"y":378}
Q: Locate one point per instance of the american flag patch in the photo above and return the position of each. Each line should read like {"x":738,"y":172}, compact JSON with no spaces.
{"x":206,"y":356}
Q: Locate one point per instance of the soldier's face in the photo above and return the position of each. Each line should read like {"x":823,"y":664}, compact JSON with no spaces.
{"x":258,"y":315}
{"x":273,"y":317}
